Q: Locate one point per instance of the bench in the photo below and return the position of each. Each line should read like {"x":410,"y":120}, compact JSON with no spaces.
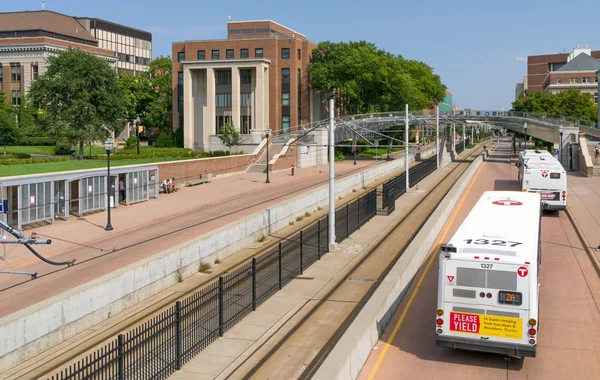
{"x":205,"y":178}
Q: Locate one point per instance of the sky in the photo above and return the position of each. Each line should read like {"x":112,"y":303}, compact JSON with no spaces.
{"x":472,"y":45}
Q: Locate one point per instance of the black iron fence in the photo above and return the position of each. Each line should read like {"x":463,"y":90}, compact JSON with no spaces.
{"x":395,"y":187}
{"x":160,"y":346}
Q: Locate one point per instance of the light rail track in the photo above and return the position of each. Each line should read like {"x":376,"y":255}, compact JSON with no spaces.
{"x":304,"y":347}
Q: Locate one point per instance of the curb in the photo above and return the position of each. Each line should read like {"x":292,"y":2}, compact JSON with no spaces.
{"x":586,"y":245}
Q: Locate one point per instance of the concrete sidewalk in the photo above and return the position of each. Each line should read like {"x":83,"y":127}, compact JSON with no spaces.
{"x":235,"y":351}
{"x":583,"y":207}
{"x":76,"y":232}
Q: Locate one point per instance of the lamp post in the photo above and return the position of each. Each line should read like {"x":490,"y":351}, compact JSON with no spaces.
{"x":331,"y":146}
{"x":136,"y":123}
{"x":267,"y":133}
{"x":437,"y":135}
{"x":108,"y":145}
{"x":561,"y":129}
{"x":525,"y":129}
{"x":354,"y":149}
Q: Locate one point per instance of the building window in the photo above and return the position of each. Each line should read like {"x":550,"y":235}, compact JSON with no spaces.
{"x":180,"y":56}
{"x":223,"y":77}
{"x":15,"y":71}
{"x":245,"y":77}
{"x":285,"y":98}
{"x":180,"y":89}
{"x":245,"y":100}
{"x":215,"y":54}
{"x":596,"y":79}
{"x":559,"y":80}
{"x":299,"y":54}
{"x":246,"y":124}
{"x":285,"y":124}
{"x":285,"y":75}
{"x":574,"y":80}
{"x":201,"y":54}
{"x":258,"y":53}
{"x":223,"y":100}
{"x":221,"y":121}
{"x":229,"y":53}
{"x":0,"y":74}
{"x":35,"y":72}
{"x":587,"y":80}
{"x":16,"y":97}
{"x":596,"y":97}
{"x":285,"y":53}
{"x":244,"y":53}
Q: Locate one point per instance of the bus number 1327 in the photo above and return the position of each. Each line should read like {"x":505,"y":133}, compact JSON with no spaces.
{"x":501,"y":243}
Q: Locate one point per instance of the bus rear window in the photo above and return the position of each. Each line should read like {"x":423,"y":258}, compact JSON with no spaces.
{"x":485,"y":278}
{"x":555,"y":175}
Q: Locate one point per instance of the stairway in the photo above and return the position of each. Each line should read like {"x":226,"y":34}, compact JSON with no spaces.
{"x":260,"y":166}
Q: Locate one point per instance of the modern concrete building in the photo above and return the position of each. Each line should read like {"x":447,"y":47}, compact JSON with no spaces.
{"x":256,"y":79}
{"x":555,"y":72}
{"x":132,"y":46}
{"x":28,"y":38}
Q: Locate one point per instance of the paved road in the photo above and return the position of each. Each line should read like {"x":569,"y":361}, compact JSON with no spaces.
{"x":569,"y":337}
{"x":150,"y":238}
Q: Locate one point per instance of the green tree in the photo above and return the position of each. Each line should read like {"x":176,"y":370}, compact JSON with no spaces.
{"x":79,"y":97}
{"x":157,"y":116}
{"x":369,"y":79}
{"x":8,"y":124}
{"x":164,"y":141}
{"x":570,"y":103}
{"x":229,"y":136}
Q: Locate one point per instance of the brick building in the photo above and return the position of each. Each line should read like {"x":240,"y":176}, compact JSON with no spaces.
{"x":28,"y":38}
{"x":560,"y":71}
{"x":256,"y":78}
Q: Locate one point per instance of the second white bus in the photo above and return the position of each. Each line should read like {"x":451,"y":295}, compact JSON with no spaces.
{"x":488,"y":287}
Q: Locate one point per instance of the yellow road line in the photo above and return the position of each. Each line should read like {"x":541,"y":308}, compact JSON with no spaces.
{"x":414,"y":293}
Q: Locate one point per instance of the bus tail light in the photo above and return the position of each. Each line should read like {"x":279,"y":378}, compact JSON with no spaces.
{"x":440,"y":322}
{"x":439,"y":312}
{"x":564,"y":194}
{"x":532,"y":322}
{"x":524,"y":190}
{"x":532,"y":331}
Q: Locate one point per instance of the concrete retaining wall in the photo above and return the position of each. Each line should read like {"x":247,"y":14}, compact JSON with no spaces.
{"x":39,"y":327}
{"x":352,"y":350}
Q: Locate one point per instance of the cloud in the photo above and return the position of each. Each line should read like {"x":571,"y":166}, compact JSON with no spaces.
{"x":186,"y":30}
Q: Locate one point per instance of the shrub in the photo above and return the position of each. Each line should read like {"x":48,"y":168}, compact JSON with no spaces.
{"x":179,"y":137}
{"x":62,"y":148}
{"x":131,"y":142}
{"x":339,"y":156}
{"x":17,"y":161}
{"x":203,"y":267}
{"x":164,"y":141}
{"x":35,"y":141}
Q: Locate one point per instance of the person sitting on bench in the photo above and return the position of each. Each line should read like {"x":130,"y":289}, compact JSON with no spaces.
{"x":165,"y":186}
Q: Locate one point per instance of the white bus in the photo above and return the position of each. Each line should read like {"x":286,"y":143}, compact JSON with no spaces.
{"x":547,"y":177}
{"x":488,"y":287}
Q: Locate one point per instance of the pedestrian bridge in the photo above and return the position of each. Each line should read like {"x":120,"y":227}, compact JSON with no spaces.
{"x":368,"y":126}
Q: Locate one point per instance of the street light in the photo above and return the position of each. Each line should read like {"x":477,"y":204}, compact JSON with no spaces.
{"x":267,"y":133}
{"x":136,"y":122}
{"x":108,"y":145}
{"x":561,"y":129}
{"x":525,"y":129}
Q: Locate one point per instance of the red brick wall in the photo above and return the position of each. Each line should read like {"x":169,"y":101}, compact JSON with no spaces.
{"x":285,"y":162}
{"x":193,"y":169}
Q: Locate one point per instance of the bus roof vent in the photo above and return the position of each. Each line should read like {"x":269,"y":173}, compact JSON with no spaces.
{"x":488,"y":251}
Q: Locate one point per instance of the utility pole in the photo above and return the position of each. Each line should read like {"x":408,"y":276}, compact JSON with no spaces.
{"x":331,"y":146}
{"x":437,"y":135}
{"x":406,"y":168}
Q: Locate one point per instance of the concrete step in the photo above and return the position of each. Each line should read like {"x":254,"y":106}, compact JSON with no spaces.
{"x":257,"y":168}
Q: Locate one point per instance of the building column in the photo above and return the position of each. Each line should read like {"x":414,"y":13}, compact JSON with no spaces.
{"x":209,"y":124}
{"x":188,"y":110}
{"x":259,"y":96}
{"x":235,"y":98}
{"x":265,"y":105}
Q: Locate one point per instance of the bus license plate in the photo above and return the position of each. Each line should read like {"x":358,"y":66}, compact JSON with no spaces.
{"x":551,"y":196}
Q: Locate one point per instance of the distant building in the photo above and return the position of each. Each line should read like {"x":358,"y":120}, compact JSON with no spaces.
{"x":28,"y":38}
{"x":560,"y":71}
{"x":256,"y":78}
{"x":446,"y":104}
{"x":132,"y":46}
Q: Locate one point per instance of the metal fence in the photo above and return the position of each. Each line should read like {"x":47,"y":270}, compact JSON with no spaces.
{"x":160,"y":346}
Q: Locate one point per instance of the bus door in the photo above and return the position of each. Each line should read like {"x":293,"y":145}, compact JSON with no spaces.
{"x":487,"y":300}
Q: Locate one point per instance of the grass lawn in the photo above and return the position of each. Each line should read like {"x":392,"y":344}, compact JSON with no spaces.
{"x":49,"y":167}
{"x":49,"y":150}
{"x":372,"y":152}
